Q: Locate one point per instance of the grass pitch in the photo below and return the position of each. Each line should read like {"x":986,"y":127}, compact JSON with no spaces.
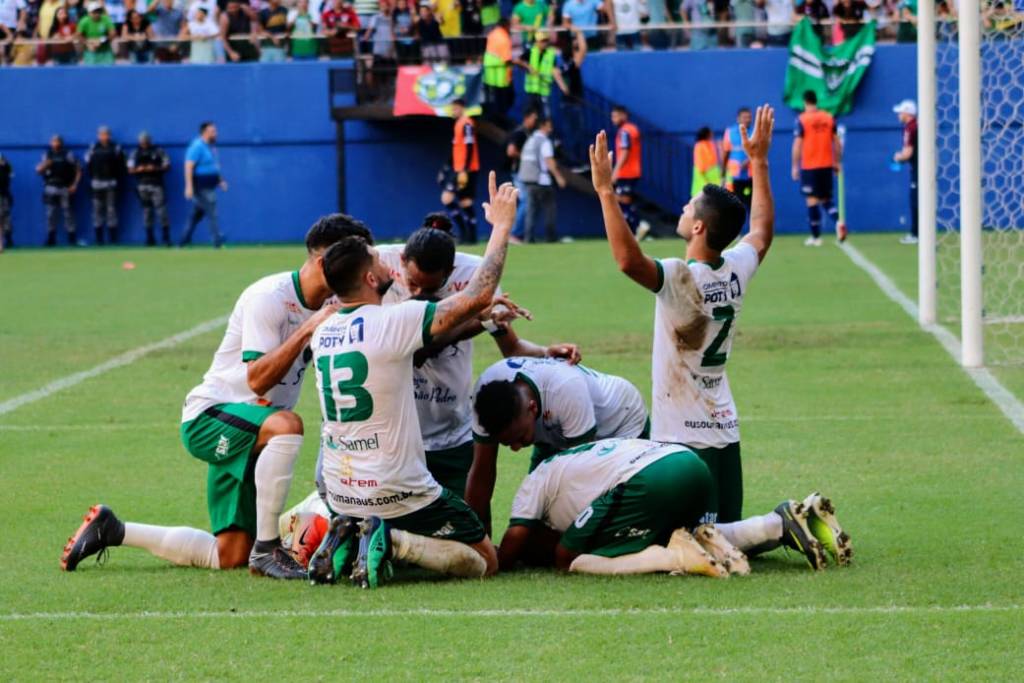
{"x":837,"y":390}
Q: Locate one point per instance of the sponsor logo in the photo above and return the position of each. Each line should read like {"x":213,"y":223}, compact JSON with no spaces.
{"x":584,"y":517}
{"x":447,"y":530}
{"x":734,"y":286}
{"x":223,"y":446}
{"x":421,"y":391}
{"x":632,"y":532}
{"x":707,"y":424}
{"x":359,"y":483}
{"x":355,"y":331}
{"x":340,"y":443}
{"x":370,"y":502}
{"x":708,"y":381}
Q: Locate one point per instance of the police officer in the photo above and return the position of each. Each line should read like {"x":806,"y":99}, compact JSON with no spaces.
{"x":61,"y":173}
{"x":148,"y":163}
{"x":6,"y":201}
{"x":105,"y":160}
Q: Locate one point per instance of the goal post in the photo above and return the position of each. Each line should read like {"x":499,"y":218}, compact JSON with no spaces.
{"x":926,"y":185}
{"x":969,"y":42}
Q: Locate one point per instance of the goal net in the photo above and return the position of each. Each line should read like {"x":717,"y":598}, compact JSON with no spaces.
{"x":1002,"y":180}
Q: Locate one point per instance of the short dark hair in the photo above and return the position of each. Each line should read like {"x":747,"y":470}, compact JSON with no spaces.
{"x":496,"y":405}
{"x":459,"y":101}
{"x":542,"y":120}
{"x":333,"y":227}
{"x":438,"y":220}
{"x":204,"y":125}
{"x":432,"y":250}
{"x":703,"y":133}
{"x":621,"y":108}
{"x":810,"y":97}
{"x":345,"y":261}
{"x":742,"y":110}
{"x":722,"y":213}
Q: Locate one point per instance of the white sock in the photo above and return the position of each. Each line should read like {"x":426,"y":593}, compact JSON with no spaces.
{"x":273,"y":479}
{"x":654,"y":558}
{"x":754,"y":534}
{"x":447,"y":557}
{"x":181,"y":545}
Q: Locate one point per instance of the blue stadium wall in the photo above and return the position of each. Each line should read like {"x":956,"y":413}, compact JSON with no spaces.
{"x":278,"y":142}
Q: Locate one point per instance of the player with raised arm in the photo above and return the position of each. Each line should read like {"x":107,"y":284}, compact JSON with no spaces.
{"x":697,"y":304}
{"x":240,"y":421}
{"x":550,"y":405}
{"x":373,"y":461}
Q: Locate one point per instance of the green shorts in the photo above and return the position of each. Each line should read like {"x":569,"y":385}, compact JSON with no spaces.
{"x":224,"y":436}
{"x":448,"y":518}
{"x":667,"y":494}
{"x":726,"y":501}
{"x":450,"y":467}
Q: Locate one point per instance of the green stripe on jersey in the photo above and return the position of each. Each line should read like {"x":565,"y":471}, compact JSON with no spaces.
{"x":428,"y":320}
{"x":298,"y":290}
{"x":251,"y":355}
{"x":661,"y":276}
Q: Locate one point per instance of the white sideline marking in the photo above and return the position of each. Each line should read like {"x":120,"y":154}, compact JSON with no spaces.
{"x":126,"y":358}
{"x":92,"y":427}
{"x":471,"y":613}
{"x":1011,"y":406}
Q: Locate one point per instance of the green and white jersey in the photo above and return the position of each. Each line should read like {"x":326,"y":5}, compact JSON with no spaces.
{"x":265,"y":315}
{"x":575,"y":403}
{"x":442,"y":386}
{"x":694,"y":324}
{"x":564,"y":485}
{"x":372,"y":451}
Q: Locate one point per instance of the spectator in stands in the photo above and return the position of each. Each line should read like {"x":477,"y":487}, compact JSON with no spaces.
{"x":817,"y":12}
{"x":471,"y":21}
{"x":149,"y":163}
{"x":707,"y":169}
{"x":574,"y":53}
{"x":514,"y":144}
{"x":201,"y":30}
{"x":543,"y":67}
{"x":76,"y":10}
{"x":780,"y":15}
{"x":237,"y":34}
{"x":168,"y":22}
{"x":136,"y":37}
{"x":405,"y":36}
{"x":907,"y":31}
{"x":6,"y":203}
{"x":745,"y":12}
{"x":428,"y":31}
{"x":626,"y":23}
{"x":47,"y":12}
{"x":539,"y":172}
{"x":8,"y":27}
{"x":658,"y":12}
{"x":274,"y":28}
{"x":582,"y":14}
{"x":202,"y":179}
{"x":97,"y":33}
{"x":381,"y":34}
{"x":449,"y":17}
{"x":850,"y":15}
{"x":699,"y":12}
{"x":63,"y":47}
{"x":490,"y":14}
{"x":28,"y":21}
{"x":116,"y":10}
{"x":735,"y":162}
{"x":498,"y":90}
{"x":907,"y":112}
{"x":340,"y":24}
{"x":302,"y":30}
{"x":61,"y":174}
{"x":106,"y":164}
{"x":529,"y":14}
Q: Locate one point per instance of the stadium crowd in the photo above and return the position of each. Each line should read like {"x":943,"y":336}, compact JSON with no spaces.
{"x":208,"y":31}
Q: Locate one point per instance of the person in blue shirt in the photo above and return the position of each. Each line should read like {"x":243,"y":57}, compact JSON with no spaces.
{"x":202,"y":178}
{"x":735,"y":163}
{"x":583,"y":14}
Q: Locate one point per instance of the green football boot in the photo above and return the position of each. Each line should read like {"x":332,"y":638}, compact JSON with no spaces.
{"x":821,"y":519}
{"x":337,"y":551}
{"x":373,"y":565}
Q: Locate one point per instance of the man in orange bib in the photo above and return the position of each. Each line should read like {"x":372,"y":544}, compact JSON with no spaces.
{"x":817,"y":151}
{"x":459,"y":191}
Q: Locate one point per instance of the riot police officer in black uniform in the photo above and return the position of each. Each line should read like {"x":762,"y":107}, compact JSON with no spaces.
{"x":61,"y":173}
{"x":106,"y":166}
{"x":148,"y":163}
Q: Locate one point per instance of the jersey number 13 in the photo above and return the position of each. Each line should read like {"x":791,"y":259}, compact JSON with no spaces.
{"x":350,"y":388}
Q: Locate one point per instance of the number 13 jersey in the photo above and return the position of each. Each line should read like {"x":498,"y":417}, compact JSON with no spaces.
{"x":373,"y":457}
{"x":694,"y":324}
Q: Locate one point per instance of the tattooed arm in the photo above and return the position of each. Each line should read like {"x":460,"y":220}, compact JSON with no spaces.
{"x":477,"y":296}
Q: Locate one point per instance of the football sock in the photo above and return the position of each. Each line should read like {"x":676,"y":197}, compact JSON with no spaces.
{"x":469,"y":221}
{"x":755,"y":534}
{"x":814,"y":220}
{"x":447,"y":557}
{"x":629,"y":213}
{"x":454,"y":212}
{"x":832,"y":211}
{"x":273,"y":479}
{"x":654,"y":558}
{"x":180,"y":545}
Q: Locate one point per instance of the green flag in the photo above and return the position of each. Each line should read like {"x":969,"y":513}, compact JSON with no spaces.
{"x":833,"y":73}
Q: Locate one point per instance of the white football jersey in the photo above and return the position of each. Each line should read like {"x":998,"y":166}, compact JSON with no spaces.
{"x":372,"y":451}
{"x":265,"y":315}
{"x":565,"y":484}
{"x":573,"y":401}
{"x":442,"y":386}
{"x":694,"y":325}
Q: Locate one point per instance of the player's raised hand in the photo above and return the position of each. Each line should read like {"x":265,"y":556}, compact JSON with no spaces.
{"x":504,"y":310}
{"x":568,"y":352}
{"x":500,"y":211}
{"x":757,"y":142}
{"x":601,"y":163}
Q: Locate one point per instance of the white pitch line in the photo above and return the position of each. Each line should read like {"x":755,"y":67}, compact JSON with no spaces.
{"x":502,"y":613}
{"x":125,"y":358}
{"x":1009,"y":404}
